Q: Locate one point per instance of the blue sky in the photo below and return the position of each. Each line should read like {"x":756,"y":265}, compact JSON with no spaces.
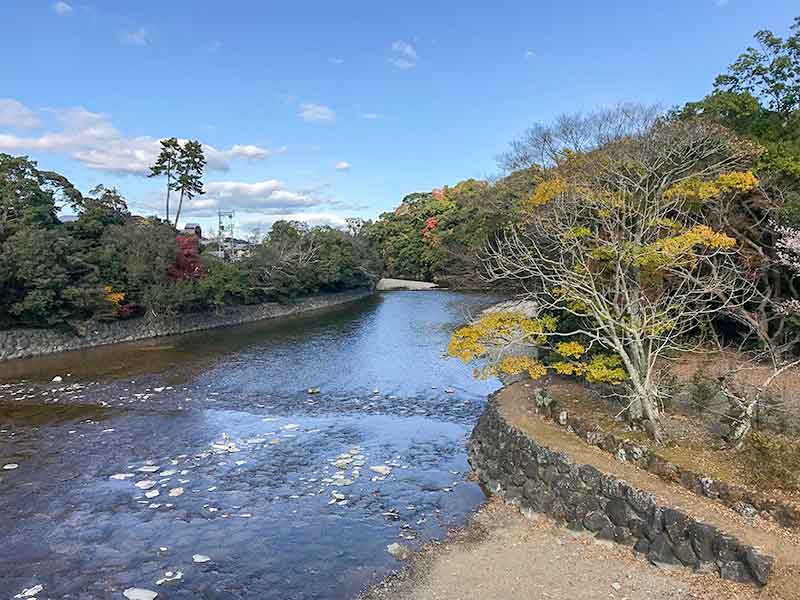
{"x":400,"y":96}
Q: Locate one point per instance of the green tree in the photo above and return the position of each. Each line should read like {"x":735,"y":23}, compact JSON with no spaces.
{"x":167,"y":164}
{"x":190,"y":167}
{"x":771,"y":71}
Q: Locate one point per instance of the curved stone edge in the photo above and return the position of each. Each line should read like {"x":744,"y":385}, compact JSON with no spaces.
{"x":740,"y":499}
{"x":27,"y":343}
{"x":539,"y":480}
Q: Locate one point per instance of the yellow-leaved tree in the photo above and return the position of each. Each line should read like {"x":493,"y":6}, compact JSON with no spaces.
{"x":615,"y":252}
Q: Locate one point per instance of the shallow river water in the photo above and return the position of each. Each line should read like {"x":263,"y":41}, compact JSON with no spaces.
{"x":200,"y":466}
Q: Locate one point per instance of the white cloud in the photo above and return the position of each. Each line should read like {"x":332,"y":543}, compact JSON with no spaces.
{"x":92,"y":139}
{"x":342,"y":166}
{"x":62,"y":8}
{"x":336,"y":61}
{"x":316,"y":112}
{"x":251,"y":152}
{"x":405,"y":55}
{"x":529,"y":54}
{"x":137,"y":37}
{"x":16,"y":114}
{"x":370,"y":116}
{"x":254,"y":201}
{"x":405,"y":49}
{"x":254,"y":222}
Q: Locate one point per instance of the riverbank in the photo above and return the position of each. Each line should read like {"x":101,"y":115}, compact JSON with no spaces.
{"x":501,"y":554}
{"x":387,"y":285}
{"x":26,"y":343}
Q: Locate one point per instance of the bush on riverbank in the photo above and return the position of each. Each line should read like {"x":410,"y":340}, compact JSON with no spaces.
{"x":108,"y":264}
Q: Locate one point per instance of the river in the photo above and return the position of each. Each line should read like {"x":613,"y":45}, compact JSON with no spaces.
{"x":200,"y":466}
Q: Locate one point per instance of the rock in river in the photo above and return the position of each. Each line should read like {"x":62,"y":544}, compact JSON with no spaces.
{"x":381,"y":469}
{"x":200,"y":558}
{"x":139,"y":594}
{"x":145,"y":484}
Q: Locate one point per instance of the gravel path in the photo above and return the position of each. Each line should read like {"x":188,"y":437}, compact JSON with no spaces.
{"x":503,"y":555}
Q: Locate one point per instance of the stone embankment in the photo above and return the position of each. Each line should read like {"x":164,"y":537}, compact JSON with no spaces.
{"x":543,"y":469}
{"x":25,"y":343}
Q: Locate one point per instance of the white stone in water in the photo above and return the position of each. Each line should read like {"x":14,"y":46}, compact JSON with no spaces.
{"x":148,"y":469}
{"x":168,"y":473}
{"x":174,"y":492}
{"x":200,"y":558}
{"x":30,"y":592}
{"x":121,"y":476}
{"x":158,"y":389}
{"x":381,"y":469}
{"x":10,"y":466}
{"x":449,"y":391}
{"x":57,"y":379}
{"x":145,"y":484}
{"x":290,"y":427}
{"x":151,"y":494}
{"x":139,"y":594}
{"x":337,"y":495}
{"x":170,"y":576}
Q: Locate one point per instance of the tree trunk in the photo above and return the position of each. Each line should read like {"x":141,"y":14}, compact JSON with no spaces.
{"x":178,"y":214}
{"x":168,"y":189}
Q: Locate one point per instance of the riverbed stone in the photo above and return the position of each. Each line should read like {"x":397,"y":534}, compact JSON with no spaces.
{"x":139,"y":594}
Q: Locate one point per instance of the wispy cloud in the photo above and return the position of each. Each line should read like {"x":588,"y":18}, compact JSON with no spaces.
{"x":62,"y":9}
{"x":342,"y":166}
{"x":311,"y":112}
{"x":16,"y":114}
{"x":405,"y":55}
{"x":529,"y":54}
{"x":91,"y":139}
{"x":137,"y":37}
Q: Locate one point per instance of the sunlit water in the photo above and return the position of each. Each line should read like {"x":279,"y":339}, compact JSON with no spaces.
{"x":249,"y":455}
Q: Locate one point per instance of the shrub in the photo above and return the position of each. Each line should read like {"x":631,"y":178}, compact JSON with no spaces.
{"x":773,"y":461}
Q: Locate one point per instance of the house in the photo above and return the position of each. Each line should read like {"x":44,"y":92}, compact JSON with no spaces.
{"x":193,"y":229}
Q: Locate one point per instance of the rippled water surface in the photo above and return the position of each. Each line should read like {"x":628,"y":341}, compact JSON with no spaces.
{"x":269,"y":486}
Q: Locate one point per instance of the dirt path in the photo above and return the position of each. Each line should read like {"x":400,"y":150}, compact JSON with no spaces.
{"x":503,"y":555}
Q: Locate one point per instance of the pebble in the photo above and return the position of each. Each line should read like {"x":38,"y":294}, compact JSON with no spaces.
{"x":170,"y":576}
{"x":145,"y":484}
{"x":10,"y":466}
{"x":30,"y":592}
{"x":121,"y":476}
{"x":151,"y":494}
{"x":399,"y":551}
{"x":148,"y":469}
{"x":174,"y":492}
{"x":200,"y":558}
{"x":57,"y":379}
{"x":381,"y":469}
{"x":139,"y":594}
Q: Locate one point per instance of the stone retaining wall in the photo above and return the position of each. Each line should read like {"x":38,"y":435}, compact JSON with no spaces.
{"x":540,"y":480}
{"x":744,"y":501}
{"x":24,"y":343}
